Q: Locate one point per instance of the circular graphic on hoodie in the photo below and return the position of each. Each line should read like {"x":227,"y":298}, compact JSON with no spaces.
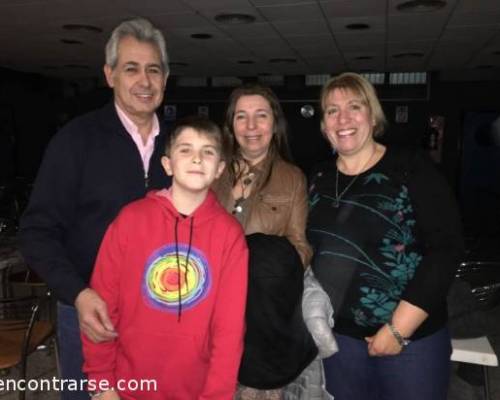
{"x":168,"y":283}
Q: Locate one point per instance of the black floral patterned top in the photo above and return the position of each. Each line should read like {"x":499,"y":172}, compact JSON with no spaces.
{"x":369,"y":245}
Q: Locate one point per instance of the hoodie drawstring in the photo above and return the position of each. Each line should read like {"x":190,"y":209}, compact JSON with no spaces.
{"x":186,"y":265}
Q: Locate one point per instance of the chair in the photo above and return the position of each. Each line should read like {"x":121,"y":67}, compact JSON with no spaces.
{"x":21,"y":332}
{"x":9,"y":257}
{"x":24,"y":278}
{"x":484,"y":279}
{"x":476,"y":351}
{"x":21,"y":281}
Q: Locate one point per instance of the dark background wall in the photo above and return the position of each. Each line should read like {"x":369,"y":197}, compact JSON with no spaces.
{"x":33,"y":107}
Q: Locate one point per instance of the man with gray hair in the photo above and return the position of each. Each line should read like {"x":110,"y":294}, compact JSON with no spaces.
{"x":93,"y":167}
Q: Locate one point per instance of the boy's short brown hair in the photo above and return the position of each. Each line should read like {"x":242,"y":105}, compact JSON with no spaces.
{"x":201,"y":125}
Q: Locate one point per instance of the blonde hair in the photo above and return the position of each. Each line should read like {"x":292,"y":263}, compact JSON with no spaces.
{"x":361,"y":87}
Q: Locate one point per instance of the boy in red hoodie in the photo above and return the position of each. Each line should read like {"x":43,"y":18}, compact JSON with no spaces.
{"x":172,"y":269}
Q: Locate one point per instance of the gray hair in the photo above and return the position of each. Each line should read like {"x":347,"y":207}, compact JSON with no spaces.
{"x":142,"y":30}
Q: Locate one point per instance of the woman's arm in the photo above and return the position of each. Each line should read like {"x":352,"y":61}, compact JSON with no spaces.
{"x":296,"y":226}
{"x":440,"y":235}
{"x":405,"y":319}
{"x":439,"y":230}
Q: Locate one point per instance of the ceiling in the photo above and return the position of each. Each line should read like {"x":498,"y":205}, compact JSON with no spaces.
{"x":462,"y":36}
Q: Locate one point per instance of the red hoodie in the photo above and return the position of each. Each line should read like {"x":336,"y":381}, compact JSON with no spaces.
{"x":191,"y":346}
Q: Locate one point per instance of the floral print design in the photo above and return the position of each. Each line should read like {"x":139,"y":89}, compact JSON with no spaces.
{"x":382,"y":283}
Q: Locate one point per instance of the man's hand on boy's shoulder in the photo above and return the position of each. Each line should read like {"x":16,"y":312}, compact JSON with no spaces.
{"x":93,"y":316}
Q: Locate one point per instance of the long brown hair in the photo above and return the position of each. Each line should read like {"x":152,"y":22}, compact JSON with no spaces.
{"x":278,"y":148}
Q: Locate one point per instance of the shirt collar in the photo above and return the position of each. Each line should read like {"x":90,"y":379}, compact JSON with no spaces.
{"x":131,"y":128}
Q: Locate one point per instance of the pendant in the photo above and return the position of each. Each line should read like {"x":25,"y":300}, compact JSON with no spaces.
{"x":335,"y":203}
{"x":238,"y":206}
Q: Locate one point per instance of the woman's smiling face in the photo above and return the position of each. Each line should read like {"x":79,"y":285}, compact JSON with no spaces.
{"x":347,"y":122}
{"x":253,"y":125}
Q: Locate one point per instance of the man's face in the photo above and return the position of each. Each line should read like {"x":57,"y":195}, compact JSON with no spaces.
{"x":138,"y":80}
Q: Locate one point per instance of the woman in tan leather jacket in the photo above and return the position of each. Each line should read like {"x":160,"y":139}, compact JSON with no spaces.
{"x":260,"y":186}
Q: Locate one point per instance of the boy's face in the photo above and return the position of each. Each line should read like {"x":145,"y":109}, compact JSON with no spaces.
{"x":194,"y":161}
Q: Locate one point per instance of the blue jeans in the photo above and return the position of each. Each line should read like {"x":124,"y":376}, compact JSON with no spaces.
{"x":420,"y":371}
{"x":70,"y":350}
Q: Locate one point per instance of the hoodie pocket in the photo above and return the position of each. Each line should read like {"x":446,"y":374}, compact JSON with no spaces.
{"x":177,"y":361}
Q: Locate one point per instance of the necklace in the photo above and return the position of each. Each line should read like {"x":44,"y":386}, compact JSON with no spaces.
{"x":245,"y":182}
{"x":338,"y":197}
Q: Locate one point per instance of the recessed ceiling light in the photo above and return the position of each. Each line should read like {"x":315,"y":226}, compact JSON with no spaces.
{"x":234,"y":19}
{"x":282,"y":60}
{"x":363,"y":58}
{"x":421,"y":5}
{"x":71,"y":41}
{"x":76,"y":66}
{"x":201,"y":36}
{"x":245,"y":62}
{"x":408,"y":55}
{"x":177,"y":64}
{"x":357,"y":27}
{"x":82,"y":27}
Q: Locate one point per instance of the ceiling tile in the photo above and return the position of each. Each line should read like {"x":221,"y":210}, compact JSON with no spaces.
{"x":190,"y":20}
{"x":349,"y":8}
{"x":328,"y":64}
{"x":152,"y":7}
{"x":294,"y":12}
{"x":486,"y":6}
{"x":464,"y":33}
{"x":475,"y":19}
{"x":339,"y":24}
{"x":445,"y":11}
{"x":473,"y":34}
{"x":410,"y":47}
{"x":257,"y":30}
{"x":220,"y":5}
{"x":450,"y":56}
{"x":293,"y":28}
{"x":411,"y":28}
{"x":259,"y":3}
{"x":317,"y":49}
{"x":345,"y":40}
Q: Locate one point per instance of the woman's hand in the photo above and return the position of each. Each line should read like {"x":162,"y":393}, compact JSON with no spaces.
{"x":107,"y":395}
{"x":406,"y":318}
{"x":383,"y":343}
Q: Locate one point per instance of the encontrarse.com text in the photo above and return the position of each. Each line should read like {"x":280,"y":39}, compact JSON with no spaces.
{"x":56,"y":384}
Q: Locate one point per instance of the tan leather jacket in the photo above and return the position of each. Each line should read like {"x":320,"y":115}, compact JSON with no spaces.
{"x":280,"y":208}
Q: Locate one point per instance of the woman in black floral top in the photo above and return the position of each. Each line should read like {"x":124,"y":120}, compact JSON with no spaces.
{"x":387,"y":240}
